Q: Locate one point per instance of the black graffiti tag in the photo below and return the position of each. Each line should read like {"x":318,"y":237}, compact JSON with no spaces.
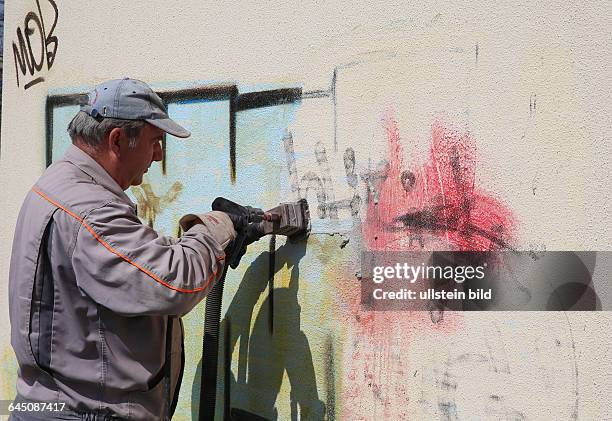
{"x":321,"y":182}
{"x":34,"y":28}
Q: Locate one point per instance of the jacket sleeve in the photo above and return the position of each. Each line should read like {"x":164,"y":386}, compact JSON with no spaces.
{"x":127,"y":267}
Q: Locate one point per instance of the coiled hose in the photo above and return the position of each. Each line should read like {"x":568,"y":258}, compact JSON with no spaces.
{"x":210,"y":350}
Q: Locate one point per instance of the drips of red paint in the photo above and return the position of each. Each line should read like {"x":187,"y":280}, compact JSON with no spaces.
{"x":435,"y":206}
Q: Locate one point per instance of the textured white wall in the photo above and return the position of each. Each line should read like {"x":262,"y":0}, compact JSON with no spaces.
{"x":478,"y":67}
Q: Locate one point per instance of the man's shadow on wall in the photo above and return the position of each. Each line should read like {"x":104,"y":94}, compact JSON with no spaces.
{"x":271,"y":347}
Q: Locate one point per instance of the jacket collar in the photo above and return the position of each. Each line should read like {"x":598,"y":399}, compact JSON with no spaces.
{"x":89,"y":166}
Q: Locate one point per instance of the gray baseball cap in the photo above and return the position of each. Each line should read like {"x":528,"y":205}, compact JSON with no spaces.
{"x":131,"y":99}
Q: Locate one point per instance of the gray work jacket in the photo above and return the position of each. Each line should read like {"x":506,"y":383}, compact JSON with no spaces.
{"x":96,"y":296}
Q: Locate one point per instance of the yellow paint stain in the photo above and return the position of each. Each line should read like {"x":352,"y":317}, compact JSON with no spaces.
{"x":282,"y":279}
{"x":8,"y":374}
{"x":150,"y":204}
{"x":333,"y":309}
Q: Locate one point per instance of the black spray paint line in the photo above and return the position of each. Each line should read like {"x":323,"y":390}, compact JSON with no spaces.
{"x":503,"y":349}
{"x":232,"y":137}
{"x":446,"y":382}
{"x":320,"y":93}
{"x":374,"y":178}
{"x":330,"y":379}
{"x":49,"y":38}
{"x":221,"y":92}
{"x":447,"y":388}
{"x":321,"y":156}
{"x":291,"y":166}
{"x":334,"y":81}
{"x":532,"y":104}
{"x":335,"y":108}
{"x":495,"y":364}
{"x":259,"y":99}
{"x":576,"y":372}
{"x":349,"y":167}
{"x":271,"y":271}
{"x":333,"y":91}
{"x":430,"y":220}
{"x":352,"y":205}
{"x":458,"y":178}
{"x":352,"y":180}
{"x":309,"y":179}
{"x":33,"y":82}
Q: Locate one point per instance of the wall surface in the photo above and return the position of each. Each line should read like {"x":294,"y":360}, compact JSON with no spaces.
{"x":369,"y":112}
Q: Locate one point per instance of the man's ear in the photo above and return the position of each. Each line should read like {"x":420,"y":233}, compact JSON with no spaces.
{"x":114,"y":141}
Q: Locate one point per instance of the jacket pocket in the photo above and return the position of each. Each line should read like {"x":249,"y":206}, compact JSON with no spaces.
{"x":43,"y":302}
{"x":149,"y":404}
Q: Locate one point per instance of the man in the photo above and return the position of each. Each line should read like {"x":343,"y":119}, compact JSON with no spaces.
{"x":96,"y":296}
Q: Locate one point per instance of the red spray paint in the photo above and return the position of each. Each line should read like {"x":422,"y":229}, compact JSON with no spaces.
{"x":437,"y":201}
{"x":434,"y":206}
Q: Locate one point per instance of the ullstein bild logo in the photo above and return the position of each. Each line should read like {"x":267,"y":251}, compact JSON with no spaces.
{"x":477,"y":281}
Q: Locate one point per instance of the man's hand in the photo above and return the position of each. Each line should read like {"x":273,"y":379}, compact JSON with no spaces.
{"x":240,"y":215}
{"x":245,"y":220}
{"x":219,"y":224}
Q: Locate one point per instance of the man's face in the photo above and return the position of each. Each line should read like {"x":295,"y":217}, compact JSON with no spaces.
{"x":136,"y":161}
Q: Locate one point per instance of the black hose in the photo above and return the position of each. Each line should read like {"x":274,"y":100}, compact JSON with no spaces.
{"x":210,"y":350}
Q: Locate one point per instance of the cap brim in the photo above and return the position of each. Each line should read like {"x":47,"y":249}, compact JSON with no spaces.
{"x":170,"y":126}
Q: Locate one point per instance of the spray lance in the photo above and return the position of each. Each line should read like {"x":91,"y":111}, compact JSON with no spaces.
{"x":290,"y":219}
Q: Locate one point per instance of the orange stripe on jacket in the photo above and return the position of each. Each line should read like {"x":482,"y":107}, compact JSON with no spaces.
{"x":121,"y":255}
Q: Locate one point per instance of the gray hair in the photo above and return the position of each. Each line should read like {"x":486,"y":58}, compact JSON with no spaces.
{"x":93,"y":131}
